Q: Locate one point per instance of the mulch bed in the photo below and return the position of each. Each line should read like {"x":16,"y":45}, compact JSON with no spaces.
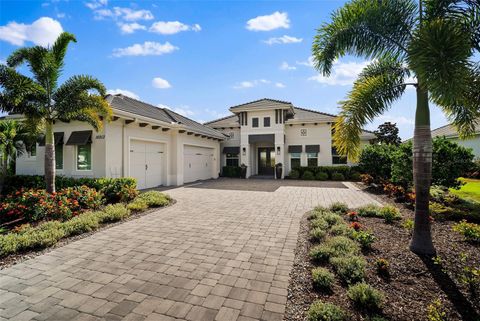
{"x":414,"y":281}
{"x":16,"y":258}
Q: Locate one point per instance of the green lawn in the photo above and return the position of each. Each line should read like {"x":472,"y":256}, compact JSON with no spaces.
{"x":470,"y":191}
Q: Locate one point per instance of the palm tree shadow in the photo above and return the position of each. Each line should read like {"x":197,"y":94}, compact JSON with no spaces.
{"x":448,"y":286}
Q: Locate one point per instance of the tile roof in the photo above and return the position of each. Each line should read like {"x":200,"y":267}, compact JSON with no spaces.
{"x":133,"y":106}
{"x":260,"y":102}
{"x":449,"y":130}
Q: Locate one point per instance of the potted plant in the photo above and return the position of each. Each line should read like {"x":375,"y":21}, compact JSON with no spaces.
{"x":278,"y":170}
{"x":243,"y":171}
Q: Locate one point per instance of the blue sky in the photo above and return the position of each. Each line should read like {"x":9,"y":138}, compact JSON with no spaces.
{"x":200,"y":57}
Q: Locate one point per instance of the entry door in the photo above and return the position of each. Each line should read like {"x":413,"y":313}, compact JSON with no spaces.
{"x":146,"y":160}
{"x":266,"y":161}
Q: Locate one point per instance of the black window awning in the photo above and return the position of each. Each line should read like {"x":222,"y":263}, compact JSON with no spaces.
{"x":231,"y":150}
{"x":312,"y":148}
{"x":295,"y":148}
{"x":57,"y":138}
{"x":80,"y":138}
{"x":262,"y":138}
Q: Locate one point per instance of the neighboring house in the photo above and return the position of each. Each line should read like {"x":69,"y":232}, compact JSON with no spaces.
{"x":266,"y":132}
{"x":449,"y":132}
{"x":154,"y":145}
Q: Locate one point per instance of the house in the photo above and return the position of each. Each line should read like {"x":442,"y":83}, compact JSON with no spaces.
{"x":154,"y":145}
{"x":157,"y":146}
{"x":266,"y":132}
{"x":449,"y":132}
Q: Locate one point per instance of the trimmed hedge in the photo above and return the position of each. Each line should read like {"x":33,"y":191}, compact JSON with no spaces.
{"x":323,"y":173}
{"x":114,"y":189}
{"x":231,"y":171}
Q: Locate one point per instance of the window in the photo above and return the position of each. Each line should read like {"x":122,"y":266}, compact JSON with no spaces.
{"x":337,"y":159}
{"x":59,"y":156}
{"x":232,"y":160}
{"x":312,"y":159}
{"x":254,"y":122}
{"x":33,"y":150}
{"x":295,"y":160}
{"x":266,"y":122}
{"x":303,"y":132}
{"x":84,"y":157}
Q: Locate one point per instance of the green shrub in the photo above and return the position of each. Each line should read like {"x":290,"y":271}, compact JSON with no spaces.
{"x":317,"y":234}
{"x":137,"y":205}
{"x":82,"y":224}
{"x":334,"y":247}
{"x":322,"y":278}
{"x":332,"y":218}
{"x":376,"y":160}
{"x":320,"y":223}
{"x":364,"y":238}
{"x":436,"y":311}
{"x":320,"y":311}
{"x":408,"y":224}
{"x":355,"y":176}
{"x":338,"y":177}
{"x":113,"y":213}
{"x":470,"y":231}
{"x":307,"y":175}
{"x":341,"y":229}
{"x":370,"y":210}
{"x":339,"y":207}
{"x":365,"y":297}
{"x":294,"y":174}
{"x":390,"y":214}
{"x":155,"y":198}
{"x":350,"y":269}
{"x":321,"y":176}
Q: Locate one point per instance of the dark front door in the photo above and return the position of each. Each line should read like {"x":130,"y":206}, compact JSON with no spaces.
{"x":266,"y":160}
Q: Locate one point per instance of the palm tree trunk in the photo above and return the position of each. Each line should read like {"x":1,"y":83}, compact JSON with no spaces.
{"x":422,"y":174}
{"x":49,"y":157}
{"x":4,"y":169}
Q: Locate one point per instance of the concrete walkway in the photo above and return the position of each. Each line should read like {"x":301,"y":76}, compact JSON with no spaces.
{"x":215,"y":255}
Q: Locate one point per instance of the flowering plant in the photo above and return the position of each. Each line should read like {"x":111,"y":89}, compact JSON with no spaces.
{"x":352,"y":216}
{"x":356,"y":226}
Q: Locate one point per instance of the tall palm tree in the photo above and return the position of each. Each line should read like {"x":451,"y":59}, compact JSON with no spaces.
{"x":434,"y":43}
{"x":42,"y":100}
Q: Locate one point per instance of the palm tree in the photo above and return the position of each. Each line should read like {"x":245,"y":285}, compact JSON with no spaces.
{"x":41,"y":100}
{"x":434,"y":43}
{"x":15,"y":139}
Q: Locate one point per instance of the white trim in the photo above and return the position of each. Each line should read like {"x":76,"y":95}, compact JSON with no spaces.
{"x":75,"y":168}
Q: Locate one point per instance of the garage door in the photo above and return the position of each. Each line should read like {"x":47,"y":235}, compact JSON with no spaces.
{"x":197,"y":163}
{"x":146,"y":162}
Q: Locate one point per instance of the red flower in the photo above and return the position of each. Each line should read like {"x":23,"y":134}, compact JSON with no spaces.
{"x":356,"y":226}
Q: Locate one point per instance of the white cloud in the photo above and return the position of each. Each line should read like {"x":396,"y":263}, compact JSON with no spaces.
{"x":128,"y":28}
{"x":282,"y":40}
{"x":148,"y":48}
{"x":125,"y":14}
{"x":43,"y":32}
{"x":399,"y":120}
{"x":286,"y":66}
{"x":160,"y":83}
{"x":343,"y":73}
{"x":308,"y":62}
{"x":96,"y":4}
{"x":172,"y":27}
{"x":123,"y":92}
{"x":269,"y":22}
{"x":61,"y":15}
{"x":251,"y":83}
{"x":279,"y":85}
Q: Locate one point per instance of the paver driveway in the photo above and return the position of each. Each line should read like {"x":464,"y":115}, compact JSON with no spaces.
{"x":215,"y":255}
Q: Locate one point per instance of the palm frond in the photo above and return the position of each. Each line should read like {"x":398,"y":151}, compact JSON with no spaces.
{"x":371,"y":28}
{"x":77,"y":85}
{"x":92,"y":109}
{"x":380,"y":84}
{"x":59,"y":48}
{"x":439,"y":54}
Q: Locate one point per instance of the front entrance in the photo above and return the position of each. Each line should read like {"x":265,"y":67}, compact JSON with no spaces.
{"x":266,"y":160}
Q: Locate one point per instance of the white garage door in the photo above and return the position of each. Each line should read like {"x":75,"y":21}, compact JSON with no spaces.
{"x":197,"y":163}
{"x":146,"y":162}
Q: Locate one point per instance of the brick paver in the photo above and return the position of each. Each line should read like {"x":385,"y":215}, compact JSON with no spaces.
{"x":215,"y":255}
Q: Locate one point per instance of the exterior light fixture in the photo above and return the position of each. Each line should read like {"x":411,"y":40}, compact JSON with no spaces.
{"x":278,"y":150}
{"x":244,"y":151}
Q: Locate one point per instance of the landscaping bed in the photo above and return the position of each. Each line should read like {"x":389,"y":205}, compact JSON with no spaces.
{"x":415,"y":288}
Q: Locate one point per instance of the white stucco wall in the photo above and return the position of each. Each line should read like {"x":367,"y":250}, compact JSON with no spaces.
{"x":473,"y":143}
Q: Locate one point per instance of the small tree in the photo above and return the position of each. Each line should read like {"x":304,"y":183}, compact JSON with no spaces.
{"x":42,"y":101}
{"x":387,"y":133}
